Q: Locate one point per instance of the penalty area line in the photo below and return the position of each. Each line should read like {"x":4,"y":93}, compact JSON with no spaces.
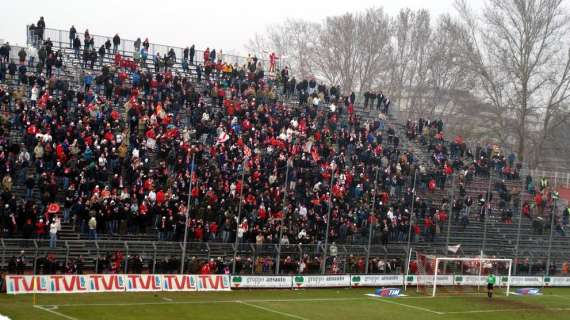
{"x":407,"y":306}
{"x":271,"y":310}
{"x":505,"y":310}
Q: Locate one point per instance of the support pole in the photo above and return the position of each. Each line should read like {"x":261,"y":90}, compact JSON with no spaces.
{"x":182,"y":261}
{"x":450,"y":214}
{"x":324,"y":261}
{"x":480,"y":271}
{"x":521,"y":202}
{"x":372,"y":214}
{"x":236,"y":244}
{"x":408,"y":247}
{"x":278,"y":262}
{"x":548,"y":257}
{"x":407,"y":270}
{"x":487,"y":211}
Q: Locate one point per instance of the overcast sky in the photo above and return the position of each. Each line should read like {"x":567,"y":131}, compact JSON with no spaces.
{"x":226,"y":24}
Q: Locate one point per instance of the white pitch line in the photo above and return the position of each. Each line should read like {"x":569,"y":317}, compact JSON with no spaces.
{"x":558,"y":296}
{"x":198,"y":302}
{"x":167,"y":299}
{"x":55,"y":312}
{"x":272,"y":310}
{"x":505,"y":310}
{"x":407,"y":305}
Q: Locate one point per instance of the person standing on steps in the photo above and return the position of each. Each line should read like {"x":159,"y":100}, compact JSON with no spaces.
{"x":72,"y":33}
{"x":40,"y":28}
{"x":54,"y":228}
{"x":77,"y":47}
{"x":92,"y":228}
{"x":116,"y":42}
{"x":191,"y":54}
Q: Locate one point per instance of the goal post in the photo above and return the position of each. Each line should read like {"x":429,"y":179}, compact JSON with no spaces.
{"x":458,"y":275}
{"x":484,"y":264}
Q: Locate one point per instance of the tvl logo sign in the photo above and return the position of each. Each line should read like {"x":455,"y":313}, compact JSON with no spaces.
{"x":388,"y":292}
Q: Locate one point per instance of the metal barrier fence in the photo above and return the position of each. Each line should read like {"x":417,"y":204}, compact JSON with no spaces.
{"x":557,"y":179}
{"x":33,"y":257}
{"x":61,"y":39}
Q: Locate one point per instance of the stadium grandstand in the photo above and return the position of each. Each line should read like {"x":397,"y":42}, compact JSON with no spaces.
{"x":122,"y":156}
{"x":182,"y":181}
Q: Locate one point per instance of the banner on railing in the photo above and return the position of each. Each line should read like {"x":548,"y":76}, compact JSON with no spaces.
{"x":19,"y":284}
{"x":526,"y":281}
{"x":106,"y":283}
{"x":557,"y":281}
{"x":261,"y":281}
{"x":376,"y":280}
{"x":468,"y":280}
{"x":442,"y":280}
{"x":143,"y":282}
{"x":178,"y":282}
{"x":217,"y":282}
{"x":321,"y":281}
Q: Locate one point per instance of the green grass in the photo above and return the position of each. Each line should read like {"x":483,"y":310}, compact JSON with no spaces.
{"x":307,"y":304}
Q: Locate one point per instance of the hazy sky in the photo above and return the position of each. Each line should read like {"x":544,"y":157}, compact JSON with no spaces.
{"x":226,"y":24}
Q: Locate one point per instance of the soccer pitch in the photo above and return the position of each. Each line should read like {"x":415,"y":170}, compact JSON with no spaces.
{"x":285,"y":304}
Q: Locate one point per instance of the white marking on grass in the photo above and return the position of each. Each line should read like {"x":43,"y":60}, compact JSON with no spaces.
{"x":373,"y":295}
{"x":486,"y":311}
{"x":52,"y":311}
{"x":200,"y":302}
{"x":271,"y":310}
{"x":167,"y":299}
{"x":505,"y":310}
{"x":407,"y":305}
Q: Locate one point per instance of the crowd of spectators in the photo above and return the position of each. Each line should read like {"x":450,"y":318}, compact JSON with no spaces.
{"x":116,"y":153}
{"x":455,"y":157}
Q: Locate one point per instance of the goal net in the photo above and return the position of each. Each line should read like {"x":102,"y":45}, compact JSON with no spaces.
{"x":460,"y":275}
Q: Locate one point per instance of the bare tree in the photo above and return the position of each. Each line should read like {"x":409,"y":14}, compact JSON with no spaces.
{"x":517,"y":50}
{"x":259,"y":45}
{"x":350,"y":50}
{"x":292,"y":41}
{"x":447,"y":77}
{"x":411,"y":32}
{"x":373,"y":42}
{"x":336,"y":52}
